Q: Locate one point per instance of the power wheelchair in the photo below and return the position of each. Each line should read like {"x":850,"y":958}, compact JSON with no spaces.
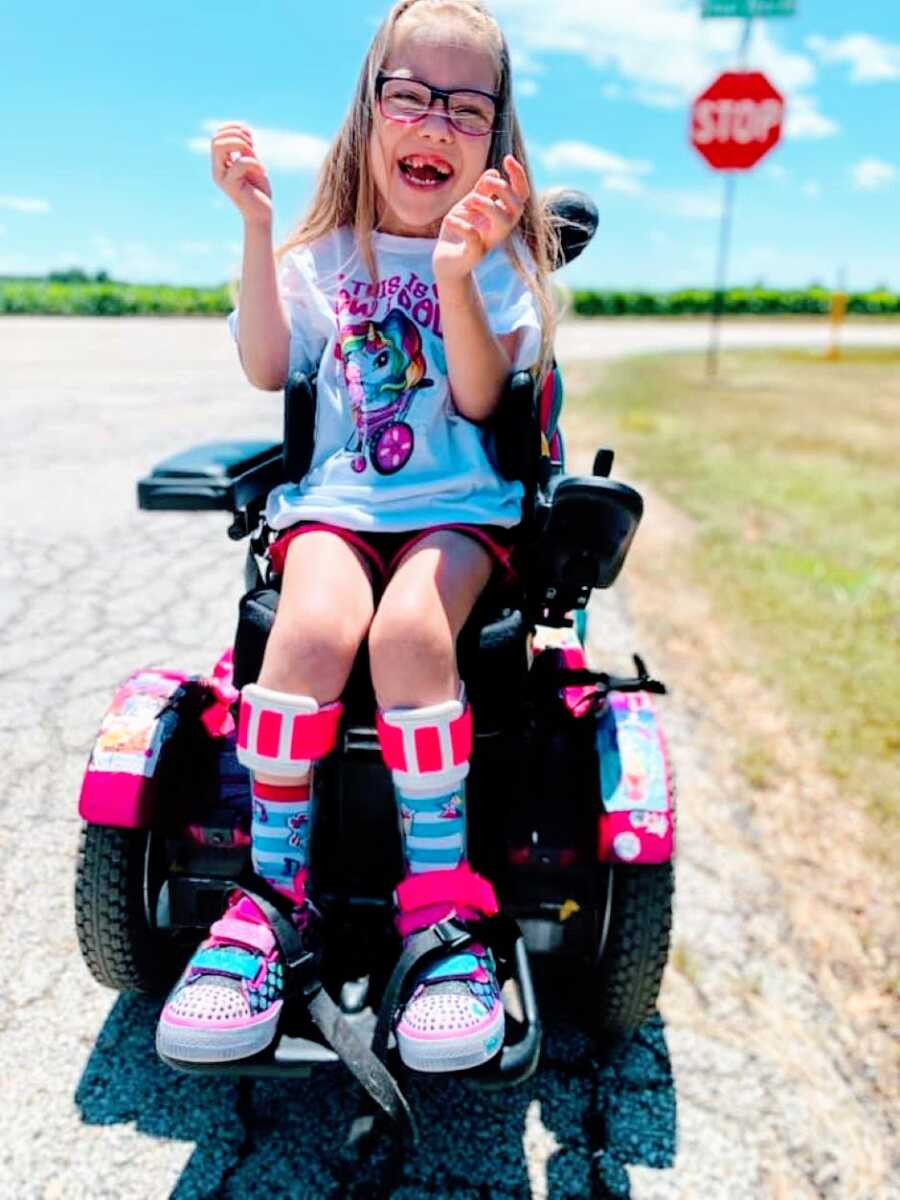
{"x":570,"y":794}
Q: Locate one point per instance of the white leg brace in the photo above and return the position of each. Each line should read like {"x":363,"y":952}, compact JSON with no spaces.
{"x":427,"y":748}
{"x":284,"y":734}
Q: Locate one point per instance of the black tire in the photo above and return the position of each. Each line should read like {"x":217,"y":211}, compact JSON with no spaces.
{"x":630,"y":970}
{"x":117,"y":870}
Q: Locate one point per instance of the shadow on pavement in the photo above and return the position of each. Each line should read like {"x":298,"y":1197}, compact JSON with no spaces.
{"x":569,"y":1131}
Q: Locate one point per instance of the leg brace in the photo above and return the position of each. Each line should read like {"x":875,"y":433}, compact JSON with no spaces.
{"x":427,"y":748}
{"x":284,"y":734}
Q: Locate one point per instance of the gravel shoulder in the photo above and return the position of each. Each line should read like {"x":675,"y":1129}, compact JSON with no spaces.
{"x":755,"y":1064}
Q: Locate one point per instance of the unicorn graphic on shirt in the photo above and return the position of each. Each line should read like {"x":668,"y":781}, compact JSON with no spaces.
{"x":384,"y":367}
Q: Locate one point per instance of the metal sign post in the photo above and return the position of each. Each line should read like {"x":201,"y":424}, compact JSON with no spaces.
{"x":734,"y":123}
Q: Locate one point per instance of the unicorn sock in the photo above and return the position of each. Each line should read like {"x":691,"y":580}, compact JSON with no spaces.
{"x":434,"y":828}
{"x":280,"y":836}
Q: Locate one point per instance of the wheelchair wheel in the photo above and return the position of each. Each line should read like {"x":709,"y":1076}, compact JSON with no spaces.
{"x":117,"y":882}
{"x":634,"y":950}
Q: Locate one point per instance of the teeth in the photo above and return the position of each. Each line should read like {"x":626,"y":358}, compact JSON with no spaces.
{"x":415,"y":160}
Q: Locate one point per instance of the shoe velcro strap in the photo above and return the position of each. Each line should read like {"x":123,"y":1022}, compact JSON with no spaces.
{"x":461,"y":887}
{"x":245,"y":933}
{"x":226,"y":960}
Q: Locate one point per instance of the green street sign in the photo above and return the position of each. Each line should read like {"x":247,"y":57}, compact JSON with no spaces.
{"x":749,"y":8}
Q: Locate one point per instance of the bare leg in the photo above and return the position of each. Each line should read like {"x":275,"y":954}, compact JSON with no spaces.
{"x":412,"y":640}
{"x":325,"y":609}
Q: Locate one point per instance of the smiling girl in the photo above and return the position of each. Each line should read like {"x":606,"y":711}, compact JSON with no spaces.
{"x":414,"y":285}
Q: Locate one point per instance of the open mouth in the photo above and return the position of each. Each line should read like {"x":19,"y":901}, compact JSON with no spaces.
{"x":425,"y":171}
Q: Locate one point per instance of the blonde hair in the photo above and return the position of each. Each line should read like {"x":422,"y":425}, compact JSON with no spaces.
{"x":345,"y":192}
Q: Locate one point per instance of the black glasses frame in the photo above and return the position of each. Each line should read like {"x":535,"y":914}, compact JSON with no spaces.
{"x":435,"y":93}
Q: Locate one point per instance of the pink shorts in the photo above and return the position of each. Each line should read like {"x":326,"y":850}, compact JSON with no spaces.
{"x":383,"y":551}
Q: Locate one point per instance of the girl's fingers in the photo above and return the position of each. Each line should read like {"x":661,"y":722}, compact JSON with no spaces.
{"x":245,"y":165}
{"x":225,"y":149}
{"x":466,"y":231}
{"x":492,"y":211}
{"x":250,"y":169}
{"x":225,"y":153}
{"x":232,"y":126}
{"x":518,"y":178}
{"x":493,"y":185}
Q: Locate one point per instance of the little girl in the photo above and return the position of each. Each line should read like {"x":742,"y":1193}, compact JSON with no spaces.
{"x":413,"y":287}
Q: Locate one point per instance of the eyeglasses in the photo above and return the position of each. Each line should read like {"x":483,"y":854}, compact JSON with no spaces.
{"x":410,"y":100}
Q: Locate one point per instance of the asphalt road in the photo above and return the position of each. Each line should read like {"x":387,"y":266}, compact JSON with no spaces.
{"x":91,"y":590}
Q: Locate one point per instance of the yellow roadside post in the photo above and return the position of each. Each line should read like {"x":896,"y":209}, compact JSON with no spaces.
{"x":837,"y":317}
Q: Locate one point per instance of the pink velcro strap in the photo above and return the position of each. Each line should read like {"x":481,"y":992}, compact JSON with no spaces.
{"x":460,"y":887}
{"x":420,"y":746}
{"x":244,"y":933}
{"x":276,"y":731}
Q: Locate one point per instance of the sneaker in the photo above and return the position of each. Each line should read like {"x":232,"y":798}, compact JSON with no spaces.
{"x":227,"y":1002}
{"x":453,"y":1019}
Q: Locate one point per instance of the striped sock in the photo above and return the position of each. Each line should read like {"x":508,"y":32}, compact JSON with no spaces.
{"x":434,"y":829}
{"x":280,"y":836}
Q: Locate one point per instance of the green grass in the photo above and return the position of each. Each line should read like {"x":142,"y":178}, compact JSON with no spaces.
{"x":789,"y":466}
{"x":109,"y":299}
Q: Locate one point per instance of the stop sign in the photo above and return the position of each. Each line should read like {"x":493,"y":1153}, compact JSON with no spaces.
{"x":737,"y":120}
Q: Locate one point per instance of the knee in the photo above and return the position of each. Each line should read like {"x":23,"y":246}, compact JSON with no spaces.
{"x":312,"y":658}
{"x":409,"y":649}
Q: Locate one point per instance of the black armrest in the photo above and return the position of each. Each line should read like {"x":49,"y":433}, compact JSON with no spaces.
{"x":588,"y":529}
{"x":231,"y":476}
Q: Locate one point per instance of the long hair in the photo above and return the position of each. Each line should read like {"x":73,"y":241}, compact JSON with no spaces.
{"x":345,"y":193}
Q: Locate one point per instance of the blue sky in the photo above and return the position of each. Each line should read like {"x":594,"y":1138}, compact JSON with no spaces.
{"x":110,"y":108}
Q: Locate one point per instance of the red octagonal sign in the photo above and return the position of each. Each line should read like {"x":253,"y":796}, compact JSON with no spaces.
{"x":737,"y":120}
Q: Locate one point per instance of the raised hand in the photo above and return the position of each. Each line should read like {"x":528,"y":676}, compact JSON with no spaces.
{"x":240,"y":174}
{"x":481,"y":220}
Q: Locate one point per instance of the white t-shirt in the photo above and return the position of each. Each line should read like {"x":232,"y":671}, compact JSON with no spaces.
{"x":391,"y":451}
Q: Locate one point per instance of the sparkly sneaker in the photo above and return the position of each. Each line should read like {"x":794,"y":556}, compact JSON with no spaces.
{"x":453,"y":1019}
{"x":227,"y":1003}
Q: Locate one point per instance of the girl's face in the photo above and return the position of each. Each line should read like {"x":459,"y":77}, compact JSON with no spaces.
{"x":422,"y":170}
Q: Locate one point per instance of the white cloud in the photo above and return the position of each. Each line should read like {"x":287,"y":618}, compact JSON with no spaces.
{"x":657,"y":98}
{"x":871,"y":60}
{"x":805,"y":122}
{"x":526,"y":87}
{"x":811,"y":189}
{"x":694,"y":205}
{"x":195,"y":248}
{"x":660,"y":46}
{"x":775,"y":171}
{"x":616,"y":173}
{"x":520,"y":60}
{"x":278,"y":149}
{"x":871,"y":174}
{"x":25,"y":204}
{"x":626,"y":184}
